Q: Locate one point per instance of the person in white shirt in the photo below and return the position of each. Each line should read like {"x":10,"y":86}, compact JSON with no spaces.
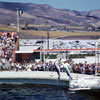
{"x":57,"y":67}
{"x":66,"y":65}
{"x":1,"y":65}
{"x":3,"y":60}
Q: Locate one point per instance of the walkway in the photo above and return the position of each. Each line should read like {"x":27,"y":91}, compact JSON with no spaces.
{"x":38,"y":77}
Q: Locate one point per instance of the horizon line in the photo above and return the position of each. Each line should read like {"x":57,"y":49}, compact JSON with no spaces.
{"x":47,"y":4}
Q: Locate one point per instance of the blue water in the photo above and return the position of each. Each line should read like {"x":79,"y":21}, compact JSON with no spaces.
{"x":33,"y":92}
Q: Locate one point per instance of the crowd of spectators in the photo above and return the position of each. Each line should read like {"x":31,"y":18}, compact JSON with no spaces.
{"x":82,"y":68}
{"x":7,"y":46}
{"x":50,"y":66}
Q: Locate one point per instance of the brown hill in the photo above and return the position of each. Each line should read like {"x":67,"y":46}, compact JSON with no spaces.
{"x":45,"y":14}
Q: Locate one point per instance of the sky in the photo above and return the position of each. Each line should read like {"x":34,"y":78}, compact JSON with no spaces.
{"x":79,"y":5}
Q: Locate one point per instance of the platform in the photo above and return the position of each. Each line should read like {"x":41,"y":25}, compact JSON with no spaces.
{"x":38,"y":77}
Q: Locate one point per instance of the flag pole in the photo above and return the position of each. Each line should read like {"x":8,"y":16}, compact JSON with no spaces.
{"x":17,"y":21}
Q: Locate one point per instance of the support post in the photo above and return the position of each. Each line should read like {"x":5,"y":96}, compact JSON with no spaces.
{"x":44,"y":56}
{"x":96,"y":56}
{"x":17,"y":20}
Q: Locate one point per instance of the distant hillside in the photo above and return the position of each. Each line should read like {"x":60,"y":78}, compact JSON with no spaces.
{"x":45,"y":14}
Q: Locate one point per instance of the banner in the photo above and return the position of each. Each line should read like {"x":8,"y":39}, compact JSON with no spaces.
{"x":20,"y":13}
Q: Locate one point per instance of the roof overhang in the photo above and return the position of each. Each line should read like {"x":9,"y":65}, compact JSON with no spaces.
{"x":27,"y":49}
{"x":18,"y":52}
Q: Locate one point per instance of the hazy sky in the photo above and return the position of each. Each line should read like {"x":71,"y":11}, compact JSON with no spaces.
{"x":81,"y":5}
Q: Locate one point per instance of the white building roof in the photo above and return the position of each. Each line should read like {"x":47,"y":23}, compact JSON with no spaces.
{"x":27,"y":49}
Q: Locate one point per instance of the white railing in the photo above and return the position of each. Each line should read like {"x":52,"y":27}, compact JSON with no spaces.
{"x":96,"y":57}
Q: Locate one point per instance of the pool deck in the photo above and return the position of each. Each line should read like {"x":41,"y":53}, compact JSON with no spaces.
{"x":38,"y":77}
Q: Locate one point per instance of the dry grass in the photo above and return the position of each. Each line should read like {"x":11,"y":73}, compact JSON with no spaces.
{"x":75,"y":27}
{"x":52,"y":33}
{"x":4,"y":27}
{"x":32,"y":25}
{"x":58,"y":33}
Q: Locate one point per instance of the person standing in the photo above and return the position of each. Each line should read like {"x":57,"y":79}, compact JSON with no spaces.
{"x":66,"y":65}
{"x":57,"y":67}
{"x":3,"y":61}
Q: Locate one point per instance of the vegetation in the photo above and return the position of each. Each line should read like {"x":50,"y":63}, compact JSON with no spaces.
{"x":49,"y":56}
{"x":80,"y":55}
{"x":52,"y":33}
{"x":6,"y":28}
{"x":58,"y":33}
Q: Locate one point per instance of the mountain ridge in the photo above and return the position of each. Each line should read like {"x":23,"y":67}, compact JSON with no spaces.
{"x":46,"y":14}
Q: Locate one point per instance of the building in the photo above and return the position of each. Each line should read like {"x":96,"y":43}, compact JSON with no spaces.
{"x":26,"y":51}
